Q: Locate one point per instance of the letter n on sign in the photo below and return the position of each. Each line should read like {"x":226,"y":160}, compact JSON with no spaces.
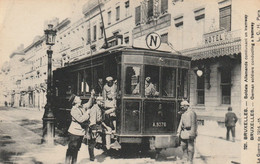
{"x":153,"y":41}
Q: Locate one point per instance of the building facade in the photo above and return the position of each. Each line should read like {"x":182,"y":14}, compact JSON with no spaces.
{"x":208,"y":32}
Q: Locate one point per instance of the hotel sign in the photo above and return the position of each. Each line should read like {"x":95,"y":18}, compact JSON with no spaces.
{"x":214,"y":37}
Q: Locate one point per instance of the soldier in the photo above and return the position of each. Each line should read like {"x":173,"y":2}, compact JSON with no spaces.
{"x":76,"y":131}
{"x":187,"y":130}
{"x":230,"y":123}
{"x":109,"y":95}
{"x":95,"y":128}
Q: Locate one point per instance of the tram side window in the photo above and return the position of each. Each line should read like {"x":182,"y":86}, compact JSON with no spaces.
{"x":84,"y":82}
{"x":169,"y":82}
{"x":151,"y":81}
{"x":183,"y":83}
{"x":88,"y":80}
{"x":132,"y":80}
{"x":80,"y":83}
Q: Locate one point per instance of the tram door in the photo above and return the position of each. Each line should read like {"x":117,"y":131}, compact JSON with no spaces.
{"x":132,"y":99}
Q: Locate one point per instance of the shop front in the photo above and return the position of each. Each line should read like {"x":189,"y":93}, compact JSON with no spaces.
{"x":215,"y":77}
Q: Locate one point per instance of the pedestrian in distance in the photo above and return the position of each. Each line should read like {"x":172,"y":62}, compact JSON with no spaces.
{"x":76,"y":129}
{"x":230,"y":123}
{"x":187,"y":131}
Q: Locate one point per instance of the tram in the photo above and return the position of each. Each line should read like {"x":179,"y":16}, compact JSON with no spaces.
{"x":144,"y":119}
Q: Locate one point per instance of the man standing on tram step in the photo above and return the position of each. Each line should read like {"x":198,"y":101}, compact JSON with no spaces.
{"x":109,"y":95}
{"x":76,"y":131}
{"x":230,"y":123}
{"x":187,"y":130}
{"x":95,"y":125}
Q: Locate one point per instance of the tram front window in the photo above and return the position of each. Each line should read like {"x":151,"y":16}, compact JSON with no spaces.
{"x":151,"y":81}
{"x":169,"y":82}
{"x":132,"y":80}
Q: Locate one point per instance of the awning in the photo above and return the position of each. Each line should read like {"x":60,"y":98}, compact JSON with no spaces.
{"x":224,"y":48}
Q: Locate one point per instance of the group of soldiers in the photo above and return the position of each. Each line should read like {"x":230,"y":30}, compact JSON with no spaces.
{"x":95,"y":120}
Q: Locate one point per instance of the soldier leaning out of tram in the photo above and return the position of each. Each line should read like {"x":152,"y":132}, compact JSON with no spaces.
{"x":109,"y":95}
{"x":76,"y":131}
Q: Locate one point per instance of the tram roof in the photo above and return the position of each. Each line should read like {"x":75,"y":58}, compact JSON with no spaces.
{"x":131,"y":51}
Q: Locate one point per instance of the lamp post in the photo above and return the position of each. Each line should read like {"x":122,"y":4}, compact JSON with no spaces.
{"x":48,"y":117}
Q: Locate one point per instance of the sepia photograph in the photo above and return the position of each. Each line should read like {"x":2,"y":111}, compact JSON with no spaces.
{"x":129,"y":81}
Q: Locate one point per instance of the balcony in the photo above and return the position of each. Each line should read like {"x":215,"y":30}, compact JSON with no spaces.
{"x":152,"y":24}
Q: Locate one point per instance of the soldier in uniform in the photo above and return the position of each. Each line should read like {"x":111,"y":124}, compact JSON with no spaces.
{"x":109,"y":95}
{"x":95,"y":125}
{"x":76,"y":131}
{"x":230,"y":123}
{"x":187,"y":130}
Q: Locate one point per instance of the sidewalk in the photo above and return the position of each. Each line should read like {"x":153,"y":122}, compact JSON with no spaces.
{"x":212,"y":147}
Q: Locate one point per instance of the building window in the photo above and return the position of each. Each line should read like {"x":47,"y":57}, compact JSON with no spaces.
{"x":178,"y":21}
{"x":109,"y":18}
{"x":138,"y":15}
{"x":200,"y":90}
{"x":101,"y":30}
{"x":150,"y":8}
{"x":127,"y":40}
{"x":95,"y":33}
{"x":164,"y":6}
{"x":127,"y":8}
{"x":164,"y":38}
{"x":225,"y":85}
{"x":225,"y":18}
{"x":117,"y":13}
{"x":199,"y":14}
{"x":89,"y":38}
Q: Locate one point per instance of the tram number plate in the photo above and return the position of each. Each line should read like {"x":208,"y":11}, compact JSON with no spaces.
{"x":159,"y":124}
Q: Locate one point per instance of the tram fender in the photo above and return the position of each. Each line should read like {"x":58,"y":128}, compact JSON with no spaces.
{"x":165,"y":141}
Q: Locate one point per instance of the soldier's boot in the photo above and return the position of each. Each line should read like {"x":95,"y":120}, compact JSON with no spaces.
{"x":233,"y":139}
{"x":74,"y":157}
{"x":91,"y":154}
{"x":68,"y":157}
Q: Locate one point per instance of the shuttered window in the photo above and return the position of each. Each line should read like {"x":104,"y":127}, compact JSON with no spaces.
{"x":150,"y":8}
{"x":137,"y":15}
{"x":109,"y":18}
{"x":164,"y":6}
{"x":95,"y":33}
{"x":225,"y":18}
{"x":225,"y":85}
{"x":200,"y":90}
{"x":117,"y":13}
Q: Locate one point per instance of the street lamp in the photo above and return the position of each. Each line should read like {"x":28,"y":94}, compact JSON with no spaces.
{"x":48,"y":117}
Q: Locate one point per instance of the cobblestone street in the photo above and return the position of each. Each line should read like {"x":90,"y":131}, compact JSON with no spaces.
{"x":20,"y":141}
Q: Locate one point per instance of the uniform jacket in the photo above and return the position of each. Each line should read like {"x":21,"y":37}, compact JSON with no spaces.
{"x":79,"y":115}
{"x":109,"y":92}
{"x":95,"y":115}
{"x":230,"y":119}
{"x":188,"y":124}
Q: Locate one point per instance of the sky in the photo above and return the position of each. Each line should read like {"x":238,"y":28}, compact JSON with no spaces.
{"x":22,"y":20}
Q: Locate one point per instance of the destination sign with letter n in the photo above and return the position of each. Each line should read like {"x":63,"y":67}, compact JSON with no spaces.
{"x":153,"y":41}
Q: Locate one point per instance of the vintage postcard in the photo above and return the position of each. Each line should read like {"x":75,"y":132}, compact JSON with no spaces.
{"x":129,"y":81}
